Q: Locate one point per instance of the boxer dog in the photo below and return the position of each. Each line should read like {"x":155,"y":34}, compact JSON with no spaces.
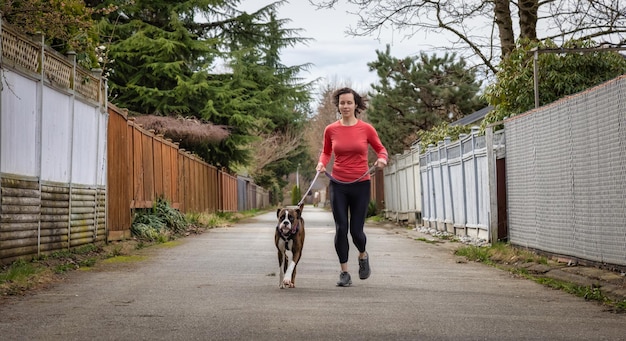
{"x":289,"y":236}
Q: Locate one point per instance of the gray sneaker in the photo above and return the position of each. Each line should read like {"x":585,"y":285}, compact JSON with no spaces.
{"x":344,"y":280}
{"x":364,"y":267}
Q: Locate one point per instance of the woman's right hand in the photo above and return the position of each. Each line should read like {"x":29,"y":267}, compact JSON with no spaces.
{"x":320,"y":167}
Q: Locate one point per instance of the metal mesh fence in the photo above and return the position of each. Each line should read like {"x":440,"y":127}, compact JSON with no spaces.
{"x":566,"y":177}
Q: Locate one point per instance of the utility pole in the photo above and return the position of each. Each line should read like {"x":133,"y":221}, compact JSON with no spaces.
{"x":298,"y":176}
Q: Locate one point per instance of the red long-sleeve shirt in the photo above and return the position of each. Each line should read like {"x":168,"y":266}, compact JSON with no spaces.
{"x":350,"y":146}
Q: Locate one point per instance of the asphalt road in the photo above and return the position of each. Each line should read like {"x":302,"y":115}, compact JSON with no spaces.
{"x":223,"y":285}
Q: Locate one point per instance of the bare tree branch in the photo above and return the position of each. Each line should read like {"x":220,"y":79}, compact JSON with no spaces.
{"x":269,"y":148}
{"x":469,"y":25}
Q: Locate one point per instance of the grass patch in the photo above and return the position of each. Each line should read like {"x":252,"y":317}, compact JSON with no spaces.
{"x":27,"y":274}
{"x":620,"y":305}
{"x":170,"y":244}
{"x":500,"y":253}
{"x":590,"y":293}
{"x":219,"y":219}
{"x":17,"y":275}
{"x":123,"y":259}
{"x":377,"y":219}
{"x":474,"y":253}
{"x":505,"y":256}
{"x":428,"y":241}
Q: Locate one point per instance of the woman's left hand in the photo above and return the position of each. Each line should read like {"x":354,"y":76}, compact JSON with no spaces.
{"x":380,"y":163}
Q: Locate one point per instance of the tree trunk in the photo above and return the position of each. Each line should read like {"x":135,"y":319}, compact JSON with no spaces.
{"x":505,"y":26}
{"x":528,"y":19}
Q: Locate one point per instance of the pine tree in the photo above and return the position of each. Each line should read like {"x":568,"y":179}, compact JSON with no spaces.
{"x":224,"y":69}
{"x":417,"y":93}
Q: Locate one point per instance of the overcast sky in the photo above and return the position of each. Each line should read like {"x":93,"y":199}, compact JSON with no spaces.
{"x":337,"y":57}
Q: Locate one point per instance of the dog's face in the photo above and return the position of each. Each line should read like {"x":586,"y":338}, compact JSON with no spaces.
{"x":287,"y":217}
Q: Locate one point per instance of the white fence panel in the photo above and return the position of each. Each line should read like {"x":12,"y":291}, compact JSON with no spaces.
{"x":457,"y":189}
{"x":446,"y":193}
{"x":457,"y":196}
{"x":19,"y":135}
{"x":390,"y":189}
{"x":482,"y":178}
{"x":85,"y":144}
{"x":407,"y":183}
{"x":426,"y":191}
{"x":56,"y":136}
{"x":471,"y":191}
{"x":417,"y":188}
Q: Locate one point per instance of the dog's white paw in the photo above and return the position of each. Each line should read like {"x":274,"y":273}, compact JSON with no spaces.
{"x":287,"y":283}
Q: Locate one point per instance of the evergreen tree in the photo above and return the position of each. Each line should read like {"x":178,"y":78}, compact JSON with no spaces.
{"x":225,"y":69}
{"x":418,"y":93}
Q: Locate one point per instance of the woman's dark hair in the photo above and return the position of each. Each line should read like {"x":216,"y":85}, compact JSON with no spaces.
{"x":358,"y":100}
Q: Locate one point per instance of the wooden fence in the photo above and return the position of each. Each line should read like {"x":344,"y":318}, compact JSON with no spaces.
{"x":143,"y":167}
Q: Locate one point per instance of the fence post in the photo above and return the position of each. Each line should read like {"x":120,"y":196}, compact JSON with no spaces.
{"x":1,"y":88}
{"x":72,"y":56}
{"x":431,"y":191}
{"x":415,"y":158}
{"x":474,"y":133}
{"x":493,"y":187}
{"x":397,"y":201}
{"x":462,"y":138}
{"x":441,"y":154}
{"x":39,"y":129}
{"x":419,"y":170}
{"x":447,"y":141}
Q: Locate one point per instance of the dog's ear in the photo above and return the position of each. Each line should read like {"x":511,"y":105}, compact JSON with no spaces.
{"x":301,"y":208}
{"x":278,"y":212}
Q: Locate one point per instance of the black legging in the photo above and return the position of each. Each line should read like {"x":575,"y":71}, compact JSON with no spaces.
{"x":354,"y":197}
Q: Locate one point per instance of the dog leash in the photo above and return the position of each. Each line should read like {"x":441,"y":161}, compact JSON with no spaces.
{"x":308,"y":190}
{"x":350,"y":182}
{"x":369,"y":171}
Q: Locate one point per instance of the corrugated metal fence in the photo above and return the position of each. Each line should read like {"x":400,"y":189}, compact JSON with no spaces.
{"x":566,"y":175}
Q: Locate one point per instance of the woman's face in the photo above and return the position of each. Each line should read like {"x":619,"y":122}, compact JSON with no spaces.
{"x":346,"y":105}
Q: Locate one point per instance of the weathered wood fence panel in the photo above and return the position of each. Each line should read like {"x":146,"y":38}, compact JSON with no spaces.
{"x":228,"y":190}
{"x":144,"y":167}
{"x":377,"y":189}
{"x":19,"y":220}
{"x":55,"y":211}
{"x":198,"y":183}
{"x":120,"y":179}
